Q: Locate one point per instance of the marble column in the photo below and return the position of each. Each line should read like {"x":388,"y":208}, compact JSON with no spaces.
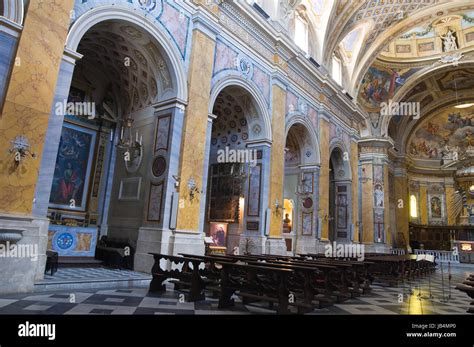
{"x":402,"y":206}
{"x":9,"y":34}
{"x":53,"y":134}
{"x":254,"y":236}
{"x":375,"y":194}
{"x":24,"y":121}
{"x":194,"y":146}
{"x":29,"y":99}
{"x":324,"y":126}
{"x":355,"y":190}
{"x":275,"y":242}
{"x":307,"y":235}
{"x":423,"y":203}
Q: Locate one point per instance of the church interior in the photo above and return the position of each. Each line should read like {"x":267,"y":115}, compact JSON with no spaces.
{"x":242,"y":157}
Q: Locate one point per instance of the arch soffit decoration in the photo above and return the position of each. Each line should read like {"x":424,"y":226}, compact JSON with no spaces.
{"x":300,"y":119}
{"x":170,"y":54}
{"x":417,"y":78}
{"x":336,"y":145}
{"x":425,"y":15}
{"x":256,"y":97}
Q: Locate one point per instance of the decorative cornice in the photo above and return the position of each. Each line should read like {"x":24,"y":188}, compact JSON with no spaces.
{"x":206,"y":23}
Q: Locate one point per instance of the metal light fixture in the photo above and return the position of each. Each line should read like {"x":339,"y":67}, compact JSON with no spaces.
{"x":21,"y":148}
{"x":126,"y":141}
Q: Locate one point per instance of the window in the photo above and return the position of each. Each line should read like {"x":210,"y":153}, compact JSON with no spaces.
{"x":337,"y":70}
{"x":301,"y":33}
{"x":413,"y":207}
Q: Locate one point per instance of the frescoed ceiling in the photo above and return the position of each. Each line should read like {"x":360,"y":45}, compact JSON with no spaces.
{"x":436,"y":92}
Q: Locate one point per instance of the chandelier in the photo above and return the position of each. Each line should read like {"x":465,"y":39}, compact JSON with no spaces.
{"x":126,"y":141}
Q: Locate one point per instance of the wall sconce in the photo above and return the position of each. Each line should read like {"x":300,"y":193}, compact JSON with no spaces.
{"x":21,"y":148}
{"x":193,"y":189}
{"x":177,"y":179}
{"x":278,"y":207}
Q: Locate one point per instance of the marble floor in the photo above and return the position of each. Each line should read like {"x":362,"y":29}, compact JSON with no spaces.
{"x":430,"y":295}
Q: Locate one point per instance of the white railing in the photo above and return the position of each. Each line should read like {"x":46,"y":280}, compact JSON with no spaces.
{"x":399,"y":251}
{"x":440,"y":256}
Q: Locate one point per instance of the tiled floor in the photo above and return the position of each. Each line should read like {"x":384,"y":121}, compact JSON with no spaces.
{"x":64,"y":275}
{"x":409,"y":298}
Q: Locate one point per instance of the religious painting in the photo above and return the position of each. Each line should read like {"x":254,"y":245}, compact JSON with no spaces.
{"x":224,"y":201}
{"x":72,"y":169}
{"x":218,"y":234}
{"x":380,"y":84}
{"x":436,"y":211}
{"x":444,"y":137}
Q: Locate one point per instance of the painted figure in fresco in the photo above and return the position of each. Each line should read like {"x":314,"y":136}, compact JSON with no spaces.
{"x":379,"y":195}
{"x":69,"y":184}
{"x":436,"y":207}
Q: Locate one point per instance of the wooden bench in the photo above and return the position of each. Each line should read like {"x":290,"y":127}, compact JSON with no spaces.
{"x":468,"y":287}
{"x":188,"y":276}
{"x":302,"y":283}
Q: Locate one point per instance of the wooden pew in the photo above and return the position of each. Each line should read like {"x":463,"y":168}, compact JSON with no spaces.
{"x":189,"y":275}
{"x":468,"y":287}
{"x":331,"y":283}
{"x":302,"y":283}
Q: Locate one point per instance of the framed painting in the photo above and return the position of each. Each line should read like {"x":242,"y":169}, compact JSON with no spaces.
{"x":218,"y":234}
{"x":73,"y":167}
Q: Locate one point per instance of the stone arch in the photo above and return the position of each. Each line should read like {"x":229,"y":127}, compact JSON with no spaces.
{"x":311,"y":138}
{"x":12,"y":10}
{"x":171,"y":56}
{"x":336,"y":146}
{"x":257,"y":102}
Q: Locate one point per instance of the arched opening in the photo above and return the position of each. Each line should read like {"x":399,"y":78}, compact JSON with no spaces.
{"x":112,"y":170}
{"x":234,"y":199}
{"x":339,"y":196}
{"x":301,"y":199}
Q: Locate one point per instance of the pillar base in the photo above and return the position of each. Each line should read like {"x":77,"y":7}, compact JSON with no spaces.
{"x":252,"y":244}
{"x":20,"y":271}
{"x":153,"y":240}
{"x":275,"y":246}
{"x":184,"y":241}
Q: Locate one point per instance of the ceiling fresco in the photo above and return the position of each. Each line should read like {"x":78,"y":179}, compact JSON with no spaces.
{"x":440,"y":136}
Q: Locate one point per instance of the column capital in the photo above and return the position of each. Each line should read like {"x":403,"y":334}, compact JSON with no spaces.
{"x":258,"y":143}
{"x":280,"y":80}
{"x":206,"y":23}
